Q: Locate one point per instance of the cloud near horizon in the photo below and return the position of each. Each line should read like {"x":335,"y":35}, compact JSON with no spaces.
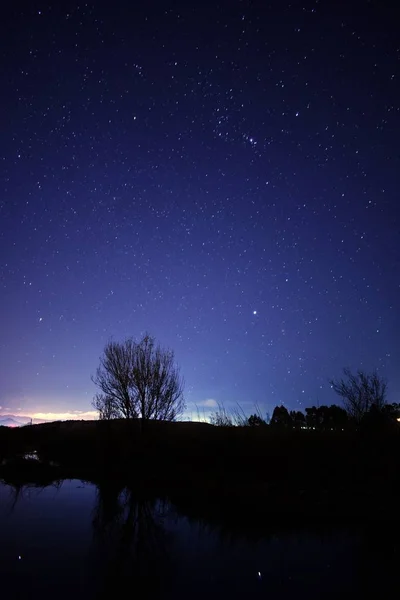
{"x":209,"y":403}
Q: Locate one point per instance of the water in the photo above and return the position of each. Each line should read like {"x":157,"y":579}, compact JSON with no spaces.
{"x":78,"y":540}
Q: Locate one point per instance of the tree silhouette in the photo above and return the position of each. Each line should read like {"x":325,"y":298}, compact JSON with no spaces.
{"x":333,"y":417}
{"x":360,"y":391}
{"x":313,"y":417}
{"x":281,"y":417}
{"x":255,"y":421}
{"x":298,"y":419}
{"x":138,"y":380}
{"x":326,"y":417}
{"x":392,"y":410}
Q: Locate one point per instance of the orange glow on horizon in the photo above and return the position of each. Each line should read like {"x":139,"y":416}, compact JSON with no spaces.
{"x":75,"y":415}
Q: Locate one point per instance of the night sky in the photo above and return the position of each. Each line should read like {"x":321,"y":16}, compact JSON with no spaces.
{"x":223,"y":175}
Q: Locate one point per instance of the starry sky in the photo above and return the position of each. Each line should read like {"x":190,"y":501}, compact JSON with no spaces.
{"x":223,"y":175}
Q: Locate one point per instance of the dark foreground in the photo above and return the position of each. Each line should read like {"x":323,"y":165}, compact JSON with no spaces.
{"x":343,"y":476}
{"x":91,"y":509}
{"x":77,"y":539}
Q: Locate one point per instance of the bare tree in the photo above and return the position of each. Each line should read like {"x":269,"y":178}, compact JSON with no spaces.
{"x":138,"y":380}
{"x":360,"y":392}
{"x":114,"y":378}
{"x":106,"y":407}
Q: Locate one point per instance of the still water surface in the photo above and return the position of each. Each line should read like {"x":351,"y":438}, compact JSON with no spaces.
{"x":77,"y":540}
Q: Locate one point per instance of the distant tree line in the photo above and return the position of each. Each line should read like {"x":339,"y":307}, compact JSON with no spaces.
{"x":364,"y":403}
{"x":321,"y":417}
{"x":328,"y":418}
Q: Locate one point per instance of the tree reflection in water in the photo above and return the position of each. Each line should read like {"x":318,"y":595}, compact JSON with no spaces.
{"x":18,"y":491}
{"x":133,"y":549}
{"x":130,"y":538}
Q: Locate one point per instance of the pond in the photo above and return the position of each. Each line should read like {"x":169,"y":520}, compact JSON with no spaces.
{"x":78,"y":539}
